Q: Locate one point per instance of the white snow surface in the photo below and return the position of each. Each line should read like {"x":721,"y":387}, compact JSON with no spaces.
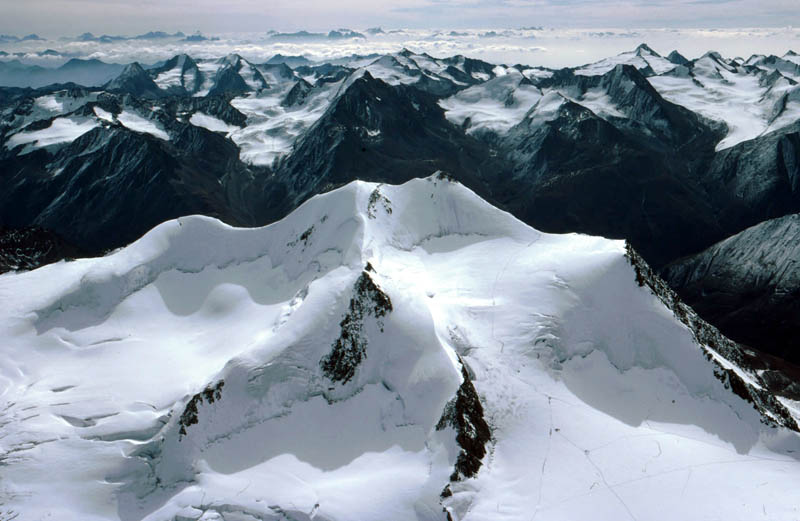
{"x":601,"y":404}
{"x":733,"y":95}
{"x":209,"y":69}
{"x":60,"y":131}
{"x":200,"y":119}
{"x":138,"y":123}
{"x":103,"y":114}
{"x":273,"y":128}
{"x":640,"y":58}
{"x":495,"y":105}
{"x":406,"y":68}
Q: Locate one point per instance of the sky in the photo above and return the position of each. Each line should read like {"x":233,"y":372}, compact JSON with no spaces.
{"x":71,"y":17}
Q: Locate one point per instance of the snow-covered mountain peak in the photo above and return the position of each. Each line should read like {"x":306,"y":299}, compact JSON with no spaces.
{"x":645,"y":59}
{"x":645,"y":50}
{"x":411,"y":339}
{"x":233,"y":59}
{"x":351,"y":220}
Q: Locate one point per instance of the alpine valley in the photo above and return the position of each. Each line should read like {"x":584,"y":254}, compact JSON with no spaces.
{"x":401,"y":287}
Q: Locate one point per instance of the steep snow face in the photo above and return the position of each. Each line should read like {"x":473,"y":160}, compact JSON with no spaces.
{"x":385,"y":352}
{"x":792,"y":57}
{"x":209,"y":70}
{"x":103,"y":114}
{"x":394,"y":72}
{"x":751,"y":101}
{"x":546,"y":109}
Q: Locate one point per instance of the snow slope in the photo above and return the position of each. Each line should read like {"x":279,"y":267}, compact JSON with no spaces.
{"x":137,"y":123}
{"x":211,"y":123}
{"x":384,"y":352}
{"x":60,"y":131}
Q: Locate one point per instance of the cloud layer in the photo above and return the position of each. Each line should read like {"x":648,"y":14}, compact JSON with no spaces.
{"x":534,"y":46}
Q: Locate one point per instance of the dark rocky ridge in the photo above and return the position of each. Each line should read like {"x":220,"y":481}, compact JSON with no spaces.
{"x":464,"y":413}
{"x":134,"y":80}
{"x":111,"y":185}
{"x":757,"y":179}
{"x":30,"y":248}
{"x":190,"y":413}
{"x":350,"y":347}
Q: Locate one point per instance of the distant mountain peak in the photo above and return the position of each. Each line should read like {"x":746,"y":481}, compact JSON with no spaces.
{"x":645,"y":49}
{"x":134,"y":80}
{"x":677,"y":58}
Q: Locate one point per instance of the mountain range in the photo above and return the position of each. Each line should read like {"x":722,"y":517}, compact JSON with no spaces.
{"x":673,"y":154}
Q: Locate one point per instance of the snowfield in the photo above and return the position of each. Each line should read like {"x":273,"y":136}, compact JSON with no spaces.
{"x":384,"y":353}
{"x":495,"y":105}
{"x":272,"y":127}
{"x":137,"y":123}
{"x":742,"y":98}
{"x":60,"y":131}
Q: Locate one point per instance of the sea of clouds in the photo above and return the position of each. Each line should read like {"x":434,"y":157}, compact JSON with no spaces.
{"x":532,"y":46}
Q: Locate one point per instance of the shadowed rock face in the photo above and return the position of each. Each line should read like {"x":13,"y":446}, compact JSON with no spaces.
{"x":748,"y":285}
{"x":756,"y":180}
{"x":111,"y":185}
{"x":376,"y":132}
{"x":580,"y":172}
{"x":134,"y":80}
{"x":229,"y":82}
